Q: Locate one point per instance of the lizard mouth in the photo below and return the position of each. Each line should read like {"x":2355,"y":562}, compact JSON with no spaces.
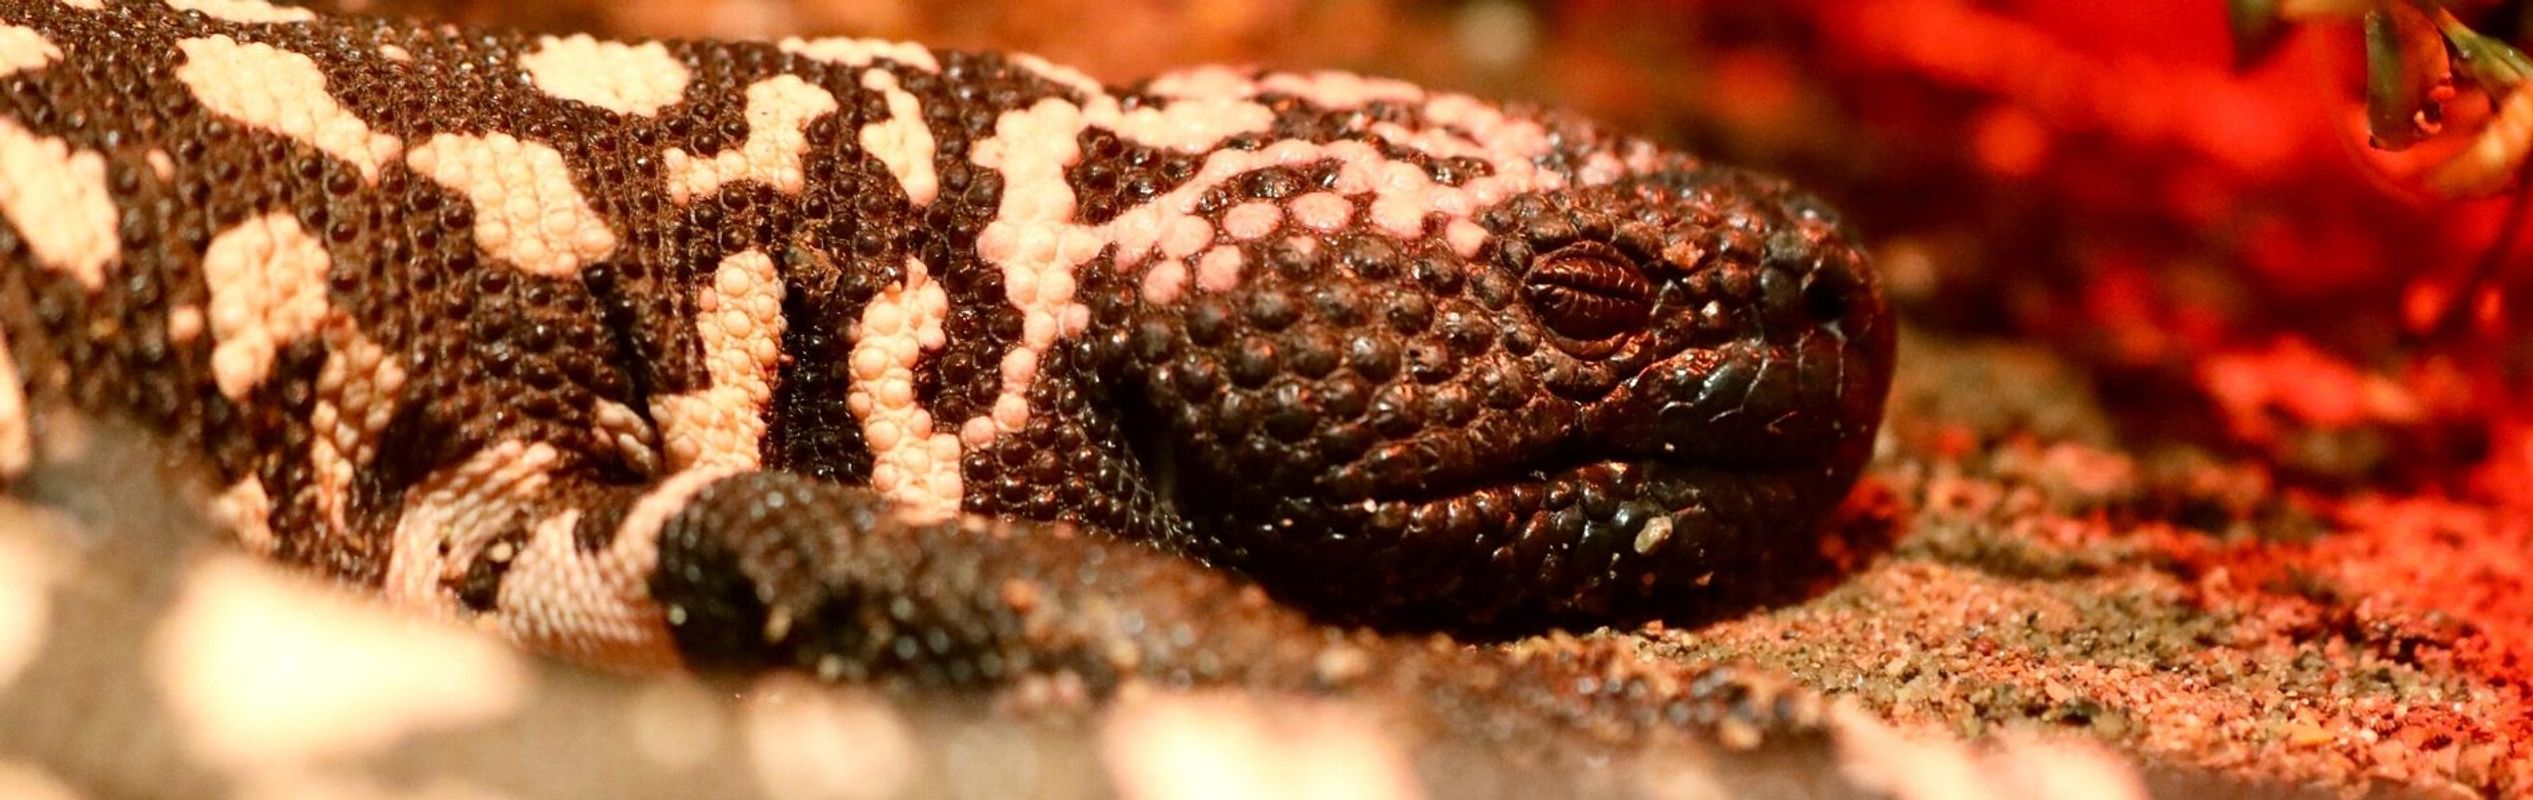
{"x":1706,"y":412}
{"x":1604,"y":539}
{"x":1560,"y":543}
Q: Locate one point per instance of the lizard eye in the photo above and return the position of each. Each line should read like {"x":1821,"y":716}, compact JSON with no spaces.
{"x":1588,"y":291}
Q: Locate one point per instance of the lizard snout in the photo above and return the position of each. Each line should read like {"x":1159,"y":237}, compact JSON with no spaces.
{"x":1763,"y":341}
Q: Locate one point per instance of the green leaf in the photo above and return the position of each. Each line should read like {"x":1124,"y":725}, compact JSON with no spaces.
{"x":2405,"y":66}
{"x":2490,"y":63}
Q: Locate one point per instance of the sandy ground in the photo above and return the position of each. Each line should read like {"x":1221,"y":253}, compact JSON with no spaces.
{"x":2175,"y":604}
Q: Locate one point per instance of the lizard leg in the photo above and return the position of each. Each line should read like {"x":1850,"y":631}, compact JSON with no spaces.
{"x":733,"y":567}
{"x":774,"y":569}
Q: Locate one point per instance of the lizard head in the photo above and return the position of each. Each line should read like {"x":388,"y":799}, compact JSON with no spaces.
{"x":1441,"y":364}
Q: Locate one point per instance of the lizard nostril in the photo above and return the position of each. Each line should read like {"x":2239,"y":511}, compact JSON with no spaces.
{"x":1829,"y":293}
{"x":1588,"y":292}
{"x":1826,"y":301}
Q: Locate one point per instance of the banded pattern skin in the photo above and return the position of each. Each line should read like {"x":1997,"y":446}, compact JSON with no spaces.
{"x":751,"y":353}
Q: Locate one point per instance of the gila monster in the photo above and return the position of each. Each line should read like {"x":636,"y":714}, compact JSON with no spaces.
{"x":888,"y":363}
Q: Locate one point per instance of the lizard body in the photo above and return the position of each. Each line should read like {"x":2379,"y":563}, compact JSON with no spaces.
{"x":745,"y":353}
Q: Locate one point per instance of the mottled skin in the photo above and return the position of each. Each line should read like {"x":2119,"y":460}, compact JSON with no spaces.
{"x":1632,"y":390}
